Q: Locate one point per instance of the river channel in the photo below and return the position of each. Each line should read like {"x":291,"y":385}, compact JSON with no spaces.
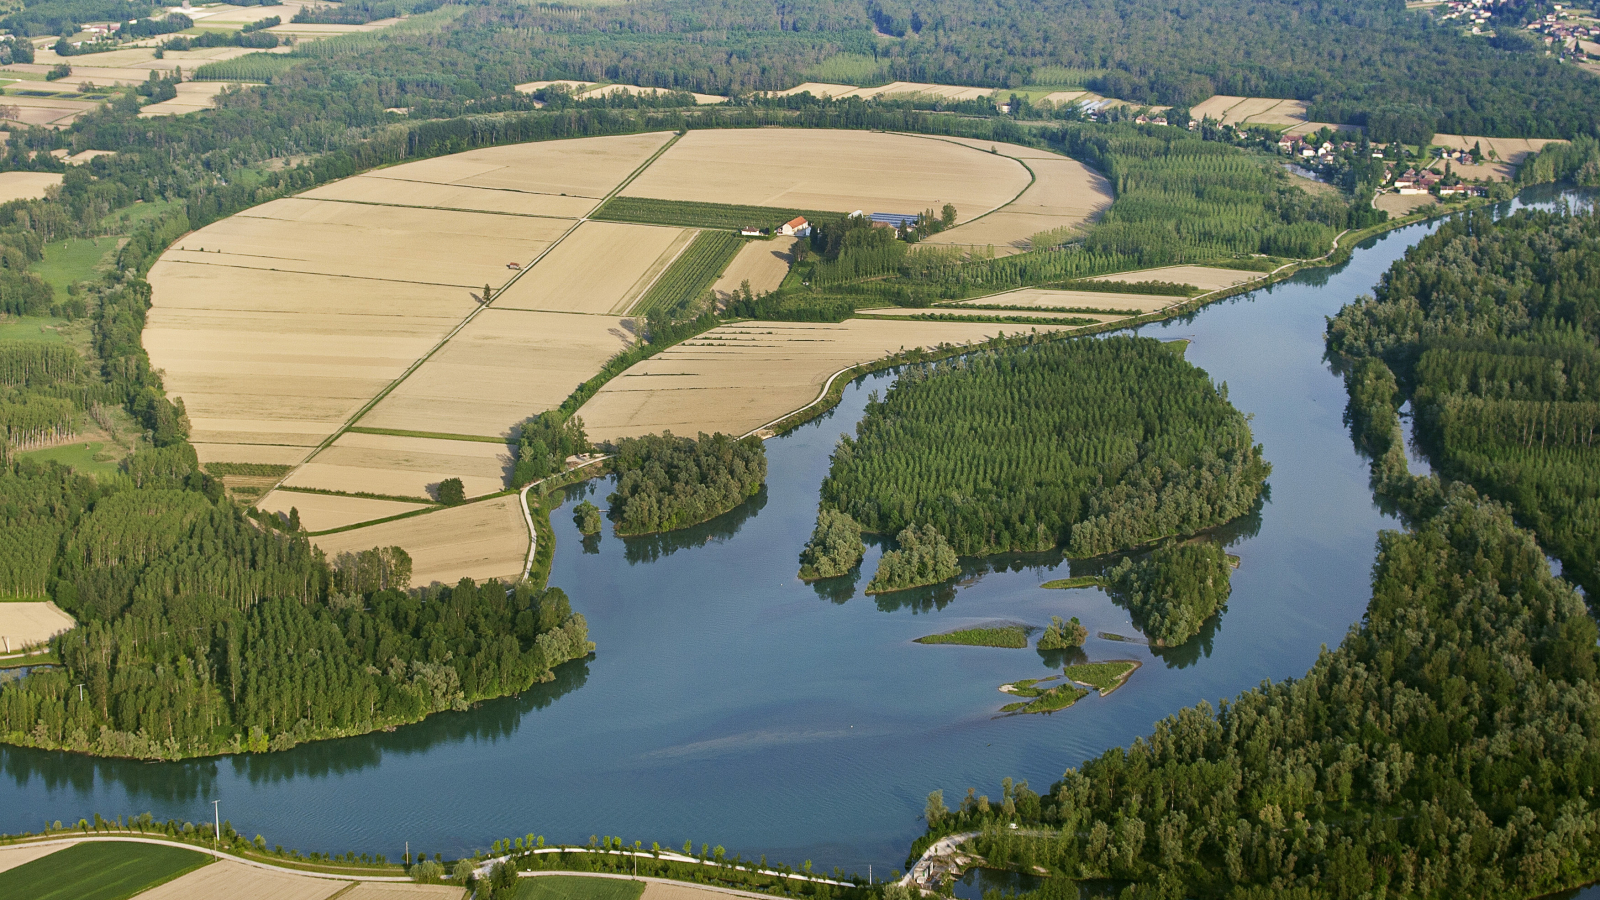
{"x":730,"y":703}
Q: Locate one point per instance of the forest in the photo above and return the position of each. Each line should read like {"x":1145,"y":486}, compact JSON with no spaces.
{"x":202,"y":633}
{"x":995,"y":454}
{"x":1489,"y":330}
{"x":1442,"y":750}
{"x":666,"y":482}
{"x":1173,"y":590}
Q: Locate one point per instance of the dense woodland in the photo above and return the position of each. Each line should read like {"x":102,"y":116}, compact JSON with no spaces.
{"x":1490,"y":330}
{"x":1173,"y":590}
{"x":995,"y":454}
{"x":921,"y":556}
{"x":666,"y":482}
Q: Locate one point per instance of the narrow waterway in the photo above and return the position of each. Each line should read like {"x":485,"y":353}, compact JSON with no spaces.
{"x":732,"y":704}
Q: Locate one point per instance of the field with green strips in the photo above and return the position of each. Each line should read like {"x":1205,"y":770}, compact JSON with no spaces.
{"x":576,"y":887}
{"x":100,"y":870}
{"x":691,"y":214}
{"x":691,"y":274}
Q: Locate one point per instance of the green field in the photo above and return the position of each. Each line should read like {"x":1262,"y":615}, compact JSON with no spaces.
{"x":1082,"y":581}
{"x":80,"y":457}
{"x":250,"y":470}
{"x":576,"y":887}
{"x":1013,"y":636}
{"x":99,"y":870}
{"x":692,"y":214}
{"x":1104,"y":676}
{"x":691,"y":274}
{"x":30,"y":328}
{"x":72,"y":260}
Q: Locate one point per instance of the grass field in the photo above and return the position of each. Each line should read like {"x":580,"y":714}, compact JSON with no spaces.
{"x":1082,"y":581}
{"x":72,"y":260}
{"x":30,"y":328}
{"x":98,"y":870}
{"x":694,"y":214}
{"x":80,"y":457}
{"x":575,"y":887}
{"x":1104,"y":677}
{"x":1013,"y":636}
{"x":691,"y":274}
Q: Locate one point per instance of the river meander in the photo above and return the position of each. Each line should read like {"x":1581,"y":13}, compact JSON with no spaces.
{"x":731,"y":703}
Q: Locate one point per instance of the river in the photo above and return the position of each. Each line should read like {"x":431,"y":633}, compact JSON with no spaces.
{"x":730,"y":703}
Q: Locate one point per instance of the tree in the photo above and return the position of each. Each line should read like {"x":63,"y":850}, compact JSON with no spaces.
{"x":587,"y":517}
{"x":1059,"y":635}
{"x":452,"y":492}
{"x":935,"y":810}
{"x":923,"y":557}
{"x":835,"y":546}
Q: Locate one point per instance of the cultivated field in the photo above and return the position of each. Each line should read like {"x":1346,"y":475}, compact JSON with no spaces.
{"x":578,"y":887}
{"x":1501,"y":156}
{"x":1044,"y":298}
{"x":587,"y":167}
{"x":193,"y":96}
{"x":1251,"y":111}
{"x":1397,"y":205}
{"x":321,"y":512}
{"x":100,"y":75}
{"x":229,"y":880}
{"x":1064,"y":192}
{"x":603,"y":267}
{"x":535,"y":86}
{"x":953,"y":312}
{"x":762,"y":263}
{"x":11,"y":857}
{"x":381,"y":189}
{"x":896,"y":89}
{"x":288,"y":357}
{"x":607,"y":90}
{"x":378,"y":890}
{"x":739,"y":377}
{"x":26,"y":185}
{"x":98,"y":870}
{"x":25,"y":623}
{"x":831,"y":170}
{"x":355,"y":240}
{"x":506,"y":365}
{"x":487,"y":539}
{"x":51,"y":111}
{"x":404,"y":466}
{"x":1207,"y":278}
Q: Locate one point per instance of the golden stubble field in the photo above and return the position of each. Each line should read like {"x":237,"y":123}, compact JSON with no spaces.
{"x":26,"y":185}
{"x":1043,"y":298}
{"x":739,"y":377}
{"x":582,"y":167}
{"x":841,"y":171}
{"x":402,"y":466}
{"x":513,"y":362}
{"x":1207,"y":278}
{"x":1064,"y":192}
{"x":322,"y":512}
{"x":487,"y":539}
{"x":601,"y":268}
{"x":762,"y":263}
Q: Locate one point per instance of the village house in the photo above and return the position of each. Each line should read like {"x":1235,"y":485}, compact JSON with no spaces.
{"x":795,"y":227}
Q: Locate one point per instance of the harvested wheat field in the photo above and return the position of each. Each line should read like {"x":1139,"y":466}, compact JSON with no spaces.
{"x":820,"y":89}
{"x":1506,"y":150}
{"x":762,"y":263}
{"x":1251,"y":111}
{"x":375,"y":188}
{"x":739,"y":377}
{"x":226,"y":879}
{"x":487,"y":539}
{"x":265,"y":454}
{"x":1397,"y":205}
{"x":607,"y":90}
{"x":392,"y":890}
{"x":1064,"y":193}
{"x":1044,"y":298}
{"x":656,"y":890}
{"x":398,"y":466}
{"x":193,"y":96}
{"x":603,"y":267}
{"x":227,"y":14}
{"x":354,"y":240}
{"x":24,"y":624}
{"x":534,"y":86}
{"x":585,"y":167}
{"x":26,"y":185}
{"x":831,"y":170}
{"x":517,"y":363}
{"x":295,"y":356}
{"x":1207,"y":278}
{"x":321,"y":512}
{"x":950,"y":312}
{"x":51,"y":111}
{"x":100,"y":75}
{"x":11,"y":857}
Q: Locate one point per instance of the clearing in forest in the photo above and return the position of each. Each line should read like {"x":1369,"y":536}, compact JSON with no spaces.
{"x":26,"y":185}
{"x":25,"y":623}
{"x":193,"y":96}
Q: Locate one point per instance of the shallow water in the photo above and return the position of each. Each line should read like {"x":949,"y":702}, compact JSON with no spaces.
{"x":731,"y":703}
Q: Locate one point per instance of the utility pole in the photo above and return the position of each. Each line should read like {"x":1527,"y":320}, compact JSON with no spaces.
{"x":216,"y":810}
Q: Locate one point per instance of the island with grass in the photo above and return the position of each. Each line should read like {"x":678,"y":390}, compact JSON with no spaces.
{"x":1011,"y":636}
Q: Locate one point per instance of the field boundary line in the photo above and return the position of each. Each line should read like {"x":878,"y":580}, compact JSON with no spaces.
{"x":634,"y":298}
{"x":482,"y":212}
{"x":1033,"y":177}
{"x":190,"y":262}
{"x":639,"y":171}
{"x":214,"y":854}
